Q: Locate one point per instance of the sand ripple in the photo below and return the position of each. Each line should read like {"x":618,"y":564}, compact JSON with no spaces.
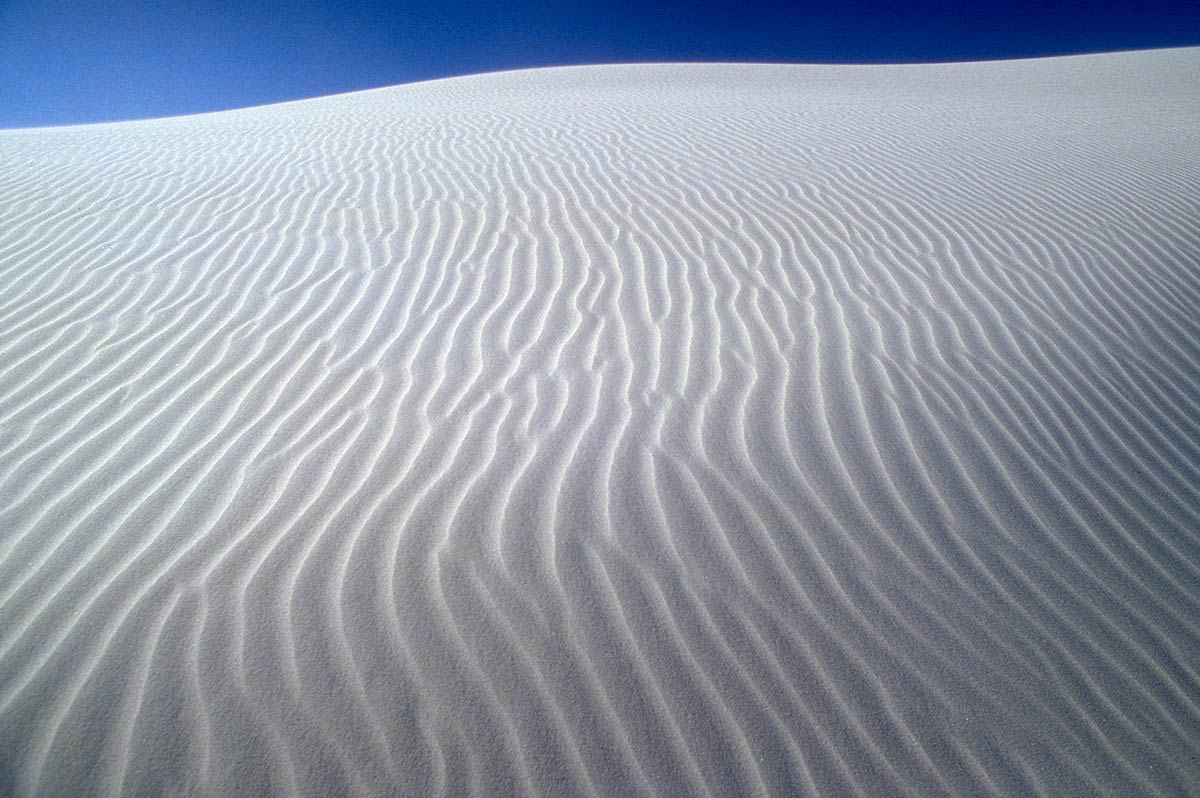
{"x":705,"y":430}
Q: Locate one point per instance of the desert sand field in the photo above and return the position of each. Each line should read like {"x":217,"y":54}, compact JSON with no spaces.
{"x":696,"y":429}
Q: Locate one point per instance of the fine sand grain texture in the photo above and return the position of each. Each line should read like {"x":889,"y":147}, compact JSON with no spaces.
{"x":723,"y":430}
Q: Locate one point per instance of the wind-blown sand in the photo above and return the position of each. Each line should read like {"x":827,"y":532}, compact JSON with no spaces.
{"x":679,"y":430}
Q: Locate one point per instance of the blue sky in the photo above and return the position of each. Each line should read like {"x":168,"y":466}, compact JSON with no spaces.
{"x":86,"y":61}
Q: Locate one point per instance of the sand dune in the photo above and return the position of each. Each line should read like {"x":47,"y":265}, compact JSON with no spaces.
{"x":633,"y":430}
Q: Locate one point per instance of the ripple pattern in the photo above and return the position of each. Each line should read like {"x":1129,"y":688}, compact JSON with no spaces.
{"x":632,"y":430}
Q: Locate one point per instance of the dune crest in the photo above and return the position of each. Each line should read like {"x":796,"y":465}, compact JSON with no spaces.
{"x":624,"y":430}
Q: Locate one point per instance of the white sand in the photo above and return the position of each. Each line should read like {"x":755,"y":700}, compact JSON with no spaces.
{"x":666,"y":430}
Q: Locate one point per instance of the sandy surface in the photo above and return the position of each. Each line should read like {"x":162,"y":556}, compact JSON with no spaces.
{"x":677,"y":430}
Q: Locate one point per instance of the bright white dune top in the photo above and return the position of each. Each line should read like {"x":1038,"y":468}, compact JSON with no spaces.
{"x":619,"y":430}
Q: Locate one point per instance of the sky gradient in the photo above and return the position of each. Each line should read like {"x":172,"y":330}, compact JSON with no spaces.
{"x":89,"y":61}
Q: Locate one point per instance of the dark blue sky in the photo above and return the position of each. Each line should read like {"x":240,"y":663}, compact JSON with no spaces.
{"x":65,"y":62}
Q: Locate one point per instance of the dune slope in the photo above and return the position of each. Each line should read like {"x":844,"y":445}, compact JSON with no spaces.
{"x":631,"y":430}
